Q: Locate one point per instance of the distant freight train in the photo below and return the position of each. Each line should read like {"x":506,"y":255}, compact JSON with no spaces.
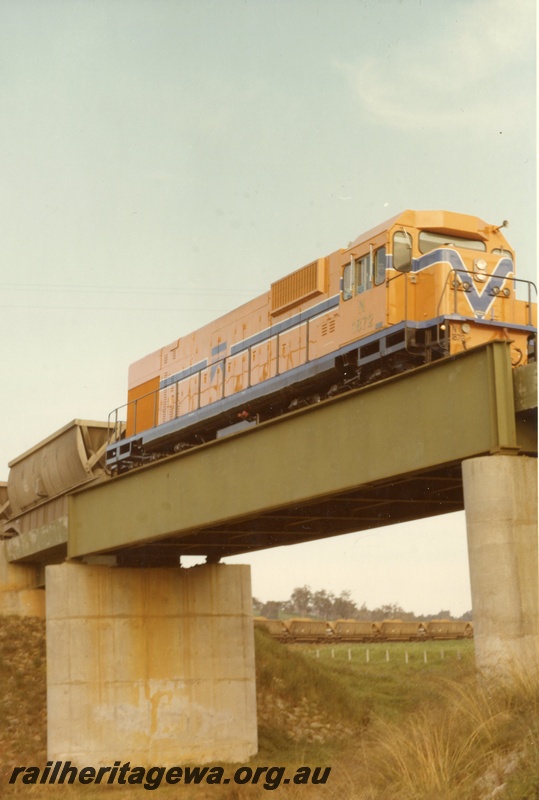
{"x":310,"y":631}
{"x":420,"y":287}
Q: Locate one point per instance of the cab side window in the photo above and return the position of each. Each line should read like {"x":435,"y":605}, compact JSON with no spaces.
{"x":348,"y":281}
{"x":363,"y":274}
{"x":380,"y":266}
{"x":402,"y":251}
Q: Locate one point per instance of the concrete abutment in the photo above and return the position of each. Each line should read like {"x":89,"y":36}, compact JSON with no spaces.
{"x":151,"y":666}
{"x":500,"y":500}
{"x":19,"y":595}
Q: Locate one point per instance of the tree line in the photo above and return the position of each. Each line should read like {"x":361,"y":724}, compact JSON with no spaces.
{"x":320,"y":604}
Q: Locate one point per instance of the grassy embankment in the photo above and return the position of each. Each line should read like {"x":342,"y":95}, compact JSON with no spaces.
{"x":389,"y":730}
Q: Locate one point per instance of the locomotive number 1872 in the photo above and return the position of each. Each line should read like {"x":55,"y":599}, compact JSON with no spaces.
{"x":364,"y":323}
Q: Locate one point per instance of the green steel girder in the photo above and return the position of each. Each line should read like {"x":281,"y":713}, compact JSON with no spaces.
{"x":379,"y":455}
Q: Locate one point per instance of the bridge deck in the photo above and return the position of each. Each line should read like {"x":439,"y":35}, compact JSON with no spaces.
{"x":387,"y":453}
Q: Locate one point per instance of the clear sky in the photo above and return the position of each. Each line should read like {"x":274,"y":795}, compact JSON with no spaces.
{"x":163,"y":161}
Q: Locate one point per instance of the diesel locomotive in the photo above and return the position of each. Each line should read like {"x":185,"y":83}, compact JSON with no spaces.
{"x":422,"y":286}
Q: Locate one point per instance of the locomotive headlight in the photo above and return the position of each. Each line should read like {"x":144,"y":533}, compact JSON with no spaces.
{"x":506,"y":292}
{"x":480,"y":264}
{"x":495,"y":290}
{"x":465,"y":328}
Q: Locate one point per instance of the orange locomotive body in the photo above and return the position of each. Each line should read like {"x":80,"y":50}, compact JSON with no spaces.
{"x":422,"y":286}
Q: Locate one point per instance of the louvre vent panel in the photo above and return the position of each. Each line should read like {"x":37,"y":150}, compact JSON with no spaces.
{"x":328,"y":326}
{"x":303,"y":284}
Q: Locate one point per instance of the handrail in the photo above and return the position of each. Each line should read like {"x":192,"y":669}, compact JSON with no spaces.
{"x":155,"y":394}
{"x":115,"y":411}
{"x":460,"y":271}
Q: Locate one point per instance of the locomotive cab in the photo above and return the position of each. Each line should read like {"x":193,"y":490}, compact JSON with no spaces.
{"x":460,"y":287}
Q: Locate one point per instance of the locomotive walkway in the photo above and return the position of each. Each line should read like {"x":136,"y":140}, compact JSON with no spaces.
{"x":161,"y":659}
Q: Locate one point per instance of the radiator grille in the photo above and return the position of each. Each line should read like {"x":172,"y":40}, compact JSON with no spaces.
{"x":299,"y":286}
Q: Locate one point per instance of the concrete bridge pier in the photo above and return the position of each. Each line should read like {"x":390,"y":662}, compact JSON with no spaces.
{"x":150,"y":665}
{"x":500,"y":501}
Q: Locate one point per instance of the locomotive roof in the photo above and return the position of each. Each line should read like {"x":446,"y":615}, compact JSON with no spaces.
{"x":434,"y":220}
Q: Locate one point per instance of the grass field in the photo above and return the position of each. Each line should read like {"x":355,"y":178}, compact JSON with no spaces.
{"x":390,"y":727}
